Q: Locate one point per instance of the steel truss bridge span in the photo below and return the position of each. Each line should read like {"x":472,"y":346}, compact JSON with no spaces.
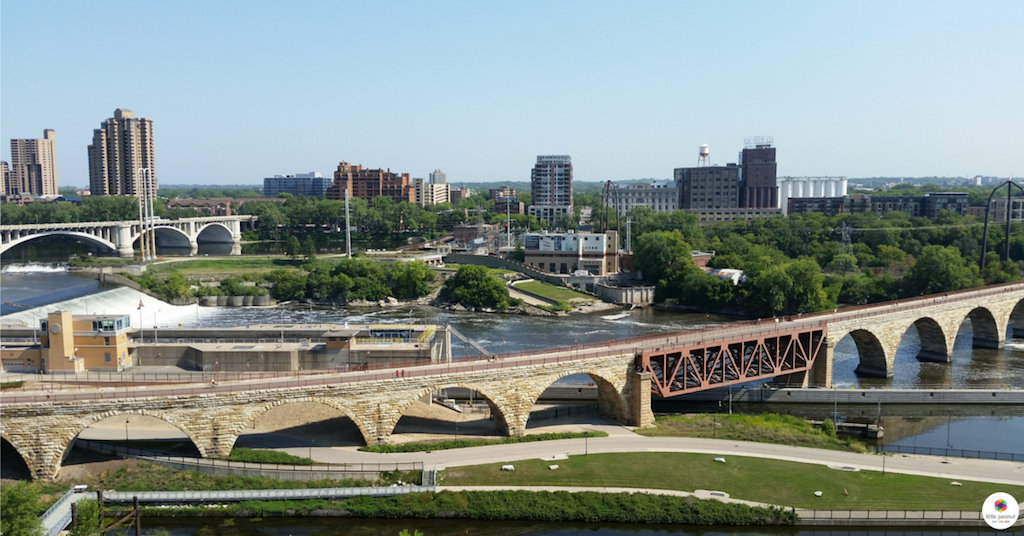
{"x":691,"y":365}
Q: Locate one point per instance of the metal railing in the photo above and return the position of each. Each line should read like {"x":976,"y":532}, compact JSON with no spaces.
{"x":888,"y":515}
{"x":564,"y":411}
{"x":54,"y":525}
{"x":954,"y":453}
{"x":238,"y":495}
{"x":158,"y":457}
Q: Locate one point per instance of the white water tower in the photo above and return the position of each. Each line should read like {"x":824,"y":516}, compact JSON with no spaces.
{"x":705,"y":153}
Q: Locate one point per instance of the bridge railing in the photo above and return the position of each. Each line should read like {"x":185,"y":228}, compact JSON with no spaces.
{"x":955,"y":453}
{"x":339,"y":469}
{"x":854,"y":516}
{"x":566,"y":354}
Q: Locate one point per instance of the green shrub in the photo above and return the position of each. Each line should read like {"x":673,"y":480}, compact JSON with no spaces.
{"x":240,"y":454}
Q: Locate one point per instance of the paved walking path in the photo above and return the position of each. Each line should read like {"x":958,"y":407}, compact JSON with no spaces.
{"x":621,"y":439}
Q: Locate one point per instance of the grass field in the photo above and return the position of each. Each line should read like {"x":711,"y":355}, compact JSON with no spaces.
{"x":770,"y":481}
{"x":194,"y":267}
{"x":766,"y":428}
{"x":562,"y":294}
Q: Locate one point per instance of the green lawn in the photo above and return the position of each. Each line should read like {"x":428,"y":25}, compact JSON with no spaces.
{"x":223,"y":266}
{"x":765,"y":428}
{"x":770,"y":481}
{"x":561,"y":294}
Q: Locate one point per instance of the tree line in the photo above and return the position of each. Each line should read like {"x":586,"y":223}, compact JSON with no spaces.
{"x":804,"y":263}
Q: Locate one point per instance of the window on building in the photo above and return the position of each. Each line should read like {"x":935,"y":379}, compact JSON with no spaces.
{"x":106,"y":341}
{"x":106,"y":357}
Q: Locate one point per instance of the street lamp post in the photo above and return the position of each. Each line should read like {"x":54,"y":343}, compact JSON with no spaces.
{"x":586,"y":446}
{"x":126,"y":420}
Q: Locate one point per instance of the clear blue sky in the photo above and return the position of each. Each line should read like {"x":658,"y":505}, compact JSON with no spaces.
{"x":240,"y":90}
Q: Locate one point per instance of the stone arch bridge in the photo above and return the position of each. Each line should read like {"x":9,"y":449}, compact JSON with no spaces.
{"x":213,"y":417}
{"x":119,"y":236}
{"x":42,"y":427}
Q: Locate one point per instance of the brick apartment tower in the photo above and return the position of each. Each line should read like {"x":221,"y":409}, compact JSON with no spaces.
{"x":33,"y":166}
{"x":120,"y":147}
{"x":370,"y":183}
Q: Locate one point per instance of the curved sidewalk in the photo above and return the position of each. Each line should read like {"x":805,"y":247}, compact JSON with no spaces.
{"x":622,"y":440}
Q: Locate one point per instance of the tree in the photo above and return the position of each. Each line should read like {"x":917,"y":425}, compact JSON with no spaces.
{"x":657,"y":252}
{"x":474,"y":286}
{"x":309,"y":249}
{"x":19,"y":503}
{"x":291,"y":247}
{"x":411,"y":280}
{"x":939,"y":269}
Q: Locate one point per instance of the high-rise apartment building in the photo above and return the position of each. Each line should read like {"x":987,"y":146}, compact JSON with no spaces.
{"x":312,"y":184}
{"x":370,"y":183}
{"x":5,"y":175}
{"x":551,"y":187}
{"x":758,"y":175}
{"x":438,"y":177}
{"x":121,"y":147}
{"x":33,"y":166}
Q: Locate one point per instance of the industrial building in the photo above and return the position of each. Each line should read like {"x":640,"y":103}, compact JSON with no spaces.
{"x":571,"y":253}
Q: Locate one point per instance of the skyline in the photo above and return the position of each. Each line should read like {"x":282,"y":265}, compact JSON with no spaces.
{"x":479,"y":90}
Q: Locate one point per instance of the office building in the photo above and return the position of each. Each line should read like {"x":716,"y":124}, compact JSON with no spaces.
{"x":757,"y":175}
{"x":430,"y":193}
{"x":569,"y":253}
{"x":311,"y":184}
{"x":121,"y":148}
{"x":456,"y":194}
{"x":33,"y":167}
{"x":438,"y":177}
{"x":551,"y":187}
{"x":370,"y":183}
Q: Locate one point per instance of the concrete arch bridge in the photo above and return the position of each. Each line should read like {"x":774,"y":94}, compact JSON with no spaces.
{"x":120,"y":236}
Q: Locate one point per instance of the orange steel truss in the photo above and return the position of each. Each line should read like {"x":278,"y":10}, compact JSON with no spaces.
{"x":760,"y":353}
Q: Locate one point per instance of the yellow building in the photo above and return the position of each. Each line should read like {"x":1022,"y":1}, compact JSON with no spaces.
{"x":74,"y":343}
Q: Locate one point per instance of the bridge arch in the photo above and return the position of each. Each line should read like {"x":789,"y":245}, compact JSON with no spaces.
{"x":502,"y":412}
{"x":1015,"y":324}
{"x":365,"y":428}
{"x":933,"y":340}
{"x":609,"y":395}
{"x":13,"y":467}
{"x":65,"y":442}
{"x":168,"y":236}
{"x":214,"y":232}
{"x":75,"y":234}
{"x":986,"y":329}
{"x":872,"y":357}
